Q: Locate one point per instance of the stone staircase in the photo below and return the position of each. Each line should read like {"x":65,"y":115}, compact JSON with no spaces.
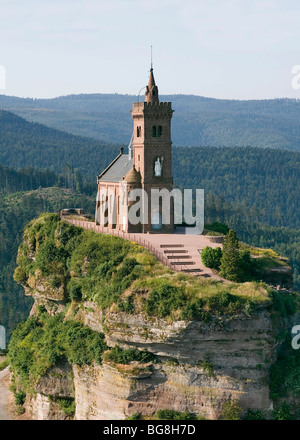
{"x":181,"y":259}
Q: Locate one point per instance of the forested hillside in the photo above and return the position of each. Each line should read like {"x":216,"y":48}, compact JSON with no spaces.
{"x":24,"y":144}
{"x":25,"y":179}
{"x":197,"y":120}
{"x":265,"y":183}
{"x":28,"y":178}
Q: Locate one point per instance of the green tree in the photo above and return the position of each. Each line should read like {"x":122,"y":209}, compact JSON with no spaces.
{"x":211,"y":257}
{"x":231,"y":261}
{"x":283,"y":413}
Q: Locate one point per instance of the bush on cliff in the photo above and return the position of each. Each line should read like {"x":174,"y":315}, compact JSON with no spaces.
{"x":121,"y":356}
{"x":253,"y":414}
{"x":170,"y":414}
{"x":75,"y":290}
{"x":284,"y":412}
{"x":41,"y":342}
{"x":47,"y":247}
{"x":211,"y":257}
{"x":231,"y":410}
{"x":165,"y":299}
{"x":67,"y":406}
{"x":84,"y":264}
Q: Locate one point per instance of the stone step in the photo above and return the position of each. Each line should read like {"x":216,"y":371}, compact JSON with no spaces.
{"x":178,"y":256}
{"x":194,"y":270}
{"x":171,"y":245}
{"x":175,"y":251}
{"x":181,"y":263}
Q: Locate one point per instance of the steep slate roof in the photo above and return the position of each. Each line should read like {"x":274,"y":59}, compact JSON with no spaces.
{"x":151,"y":93}
{"x":117,"y":169}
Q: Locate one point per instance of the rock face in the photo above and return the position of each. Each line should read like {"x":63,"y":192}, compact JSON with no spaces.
{"x":103,"y":393}
{"x":201,"y":367}
{"x":56,"y":384}
{"x":43,"y":408}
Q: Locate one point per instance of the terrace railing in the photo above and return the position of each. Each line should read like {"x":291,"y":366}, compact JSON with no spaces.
{"x":159,"y":254}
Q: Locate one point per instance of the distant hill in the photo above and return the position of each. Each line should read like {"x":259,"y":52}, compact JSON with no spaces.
{"x":24,"y":144}
{"x":197,"y":120}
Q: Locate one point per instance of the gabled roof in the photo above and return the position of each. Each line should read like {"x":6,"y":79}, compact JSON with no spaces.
{"x":118,"y":169}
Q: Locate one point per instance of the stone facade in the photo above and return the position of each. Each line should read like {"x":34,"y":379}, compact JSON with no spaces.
{"x":152,"y":122}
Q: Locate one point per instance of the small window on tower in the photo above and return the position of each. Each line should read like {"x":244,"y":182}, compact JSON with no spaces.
{"x":139,"y":157}
{"x":139,"y":131}
{"x":154,"y":131}
{"x":159,"y":130}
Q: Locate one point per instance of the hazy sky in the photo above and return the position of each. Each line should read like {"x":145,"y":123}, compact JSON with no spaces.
{"x":242,"y":49}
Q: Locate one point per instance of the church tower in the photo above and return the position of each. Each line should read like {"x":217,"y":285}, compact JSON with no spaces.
{"x":147,"y":166}
{"x":152,"y":151}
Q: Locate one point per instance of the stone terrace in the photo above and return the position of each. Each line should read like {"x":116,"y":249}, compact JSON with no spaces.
{"x":180,"y":252}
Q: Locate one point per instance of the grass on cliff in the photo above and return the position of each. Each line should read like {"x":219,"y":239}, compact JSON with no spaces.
{"x":122,"y":276}
{"x":43,"y":341}
{"x":267,"y":258}
{"x":3,"y":363}
{"x":185,"y":297}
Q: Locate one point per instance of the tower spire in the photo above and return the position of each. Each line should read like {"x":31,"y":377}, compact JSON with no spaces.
{"x":151,"y":93}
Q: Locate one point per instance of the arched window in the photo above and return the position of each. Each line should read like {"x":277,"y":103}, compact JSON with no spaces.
{"x":154,"y":131}
{"x":156,"y":220}
{"x":159,"y":131}
{"x":138,"y":131}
